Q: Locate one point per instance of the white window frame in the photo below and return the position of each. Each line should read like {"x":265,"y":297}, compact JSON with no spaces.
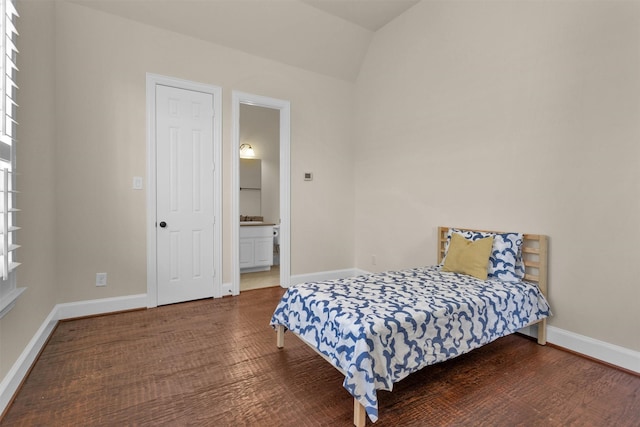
{"x":9,"y":292}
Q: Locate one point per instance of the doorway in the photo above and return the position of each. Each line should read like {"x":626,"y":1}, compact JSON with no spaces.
{"x":183,"y":190}
{"x":255,"y":104}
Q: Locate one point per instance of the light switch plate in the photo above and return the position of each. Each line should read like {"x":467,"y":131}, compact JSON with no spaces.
{"x":137,"y":183}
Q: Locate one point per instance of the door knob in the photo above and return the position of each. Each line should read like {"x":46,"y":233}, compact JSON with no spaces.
{"x":163,"y":224}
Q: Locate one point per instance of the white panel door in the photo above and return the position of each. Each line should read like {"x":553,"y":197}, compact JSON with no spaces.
{"x":184,"y":199}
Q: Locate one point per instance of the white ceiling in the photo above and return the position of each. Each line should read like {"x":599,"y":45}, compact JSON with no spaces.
{"x":325,"y":36}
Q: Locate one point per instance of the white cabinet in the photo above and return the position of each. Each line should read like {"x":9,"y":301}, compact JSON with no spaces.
{"x":256,"y":248}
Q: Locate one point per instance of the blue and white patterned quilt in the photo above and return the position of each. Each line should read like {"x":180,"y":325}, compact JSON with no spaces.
{"x":379,"y":328}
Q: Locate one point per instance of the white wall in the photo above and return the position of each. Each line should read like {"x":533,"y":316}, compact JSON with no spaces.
{"x":506,"y":115}
{"x":102,"y":61}
{"x":510,"y":116}
{"x":82,"y":96}
{"x":35,"y":182}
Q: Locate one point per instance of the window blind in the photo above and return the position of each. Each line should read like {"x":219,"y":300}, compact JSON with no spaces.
{"x":9,"y":71}
{"x":8,"y":108}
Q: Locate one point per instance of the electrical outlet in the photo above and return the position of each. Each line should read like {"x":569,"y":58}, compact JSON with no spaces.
{"x":101,"y":279}
{"x":373,"y":260}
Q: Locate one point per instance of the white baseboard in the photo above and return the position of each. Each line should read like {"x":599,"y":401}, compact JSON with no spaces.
{"x":609,"y":353}
{"x":600,"y":350}
{"x":360,"y":272}
{"x":20,"y":368}
{"x":527,"y":330}
{"x":226,"y":289}
{"x":325,"y":275}
{"x":93,"y":307}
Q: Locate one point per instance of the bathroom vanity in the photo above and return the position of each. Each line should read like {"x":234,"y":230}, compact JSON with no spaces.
{"x":256,"y":246}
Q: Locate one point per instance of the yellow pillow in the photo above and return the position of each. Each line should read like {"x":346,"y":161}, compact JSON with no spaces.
{"x":468,"y":257}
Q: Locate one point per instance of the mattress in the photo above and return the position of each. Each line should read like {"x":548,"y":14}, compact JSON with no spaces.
{"x":379,"y":328}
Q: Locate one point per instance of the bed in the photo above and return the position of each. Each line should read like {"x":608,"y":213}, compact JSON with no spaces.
{"x":377,"y":329}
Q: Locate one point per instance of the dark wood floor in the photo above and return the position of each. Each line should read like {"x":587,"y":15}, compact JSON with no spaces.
{"x":215,"y":362}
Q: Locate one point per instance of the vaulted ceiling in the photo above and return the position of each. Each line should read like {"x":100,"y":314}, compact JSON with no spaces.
{"x":330,"y":37}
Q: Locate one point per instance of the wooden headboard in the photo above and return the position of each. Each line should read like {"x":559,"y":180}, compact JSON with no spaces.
{"x":534,"y":254}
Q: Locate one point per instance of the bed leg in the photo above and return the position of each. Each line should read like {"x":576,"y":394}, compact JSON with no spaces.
{"x":280,"y":336}
{"x":359,"y":414}
{"x":542,"y":332}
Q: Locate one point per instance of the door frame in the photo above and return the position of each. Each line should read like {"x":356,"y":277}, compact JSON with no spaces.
{"x":153,"y":80}
{"x":285,"y":183}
